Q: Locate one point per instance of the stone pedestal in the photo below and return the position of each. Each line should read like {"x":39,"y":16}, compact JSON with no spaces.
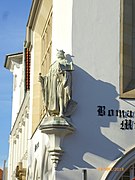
{"x":56,"y":128}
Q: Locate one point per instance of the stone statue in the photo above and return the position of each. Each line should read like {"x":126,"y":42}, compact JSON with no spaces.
{"x":44,"y":84}
{"x":57,"y":87}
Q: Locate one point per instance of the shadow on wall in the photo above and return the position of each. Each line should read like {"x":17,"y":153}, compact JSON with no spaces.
{"x":95,"y":46}
{"x":94,"y":43}
{"x":88,"y":138}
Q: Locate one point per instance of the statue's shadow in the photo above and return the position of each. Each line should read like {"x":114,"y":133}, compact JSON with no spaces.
{"x":88,"y":138}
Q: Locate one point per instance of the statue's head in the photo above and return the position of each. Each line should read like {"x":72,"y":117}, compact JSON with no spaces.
{"x":60,"y":54}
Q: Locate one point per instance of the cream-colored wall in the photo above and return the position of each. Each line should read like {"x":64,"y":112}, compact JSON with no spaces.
{"x":36,"y":85}
{"x":36,"y":95}
{"x":42,"y":16}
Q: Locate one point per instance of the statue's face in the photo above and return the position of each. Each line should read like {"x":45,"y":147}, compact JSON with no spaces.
{"x":60,"y":54}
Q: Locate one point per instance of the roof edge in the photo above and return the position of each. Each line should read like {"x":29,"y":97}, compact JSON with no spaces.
{"x":33,"y":13}
{"x":8,"y":58}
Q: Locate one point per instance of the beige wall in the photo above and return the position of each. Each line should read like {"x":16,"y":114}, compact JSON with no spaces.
{"x":41,"y":58}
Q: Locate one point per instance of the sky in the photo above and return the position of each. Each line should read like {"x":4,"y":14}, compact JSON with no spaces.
{"x":13,"y":19}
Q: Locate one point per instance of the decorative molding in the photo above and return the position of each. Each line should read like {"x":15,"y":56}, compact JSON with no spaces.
{"x":36,"y":5}
{"x":20,"y":128}
{"x":17,"y":136}
{"x":14,"y":140}
{"x":47,"y":22}
{"x":13,"y":59}
{"x":27,"y":115}
{"x":56,"y":128}
{"x":23,"y":120}
{"x":21,"y":115}
{"x":25,"y":155}
{"x":27,"y":61}
{"x":57,"y":94}
{"x":23,"y":123}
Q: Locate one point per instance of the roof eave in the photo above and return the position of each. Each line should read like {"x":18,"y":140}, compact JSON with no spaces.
{"x":11,"y":57}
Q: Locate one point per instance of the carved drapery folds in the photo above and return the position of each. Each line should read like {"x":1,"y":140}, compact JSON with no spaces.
{"x":57,"y":95}
{"x":57,"y":87}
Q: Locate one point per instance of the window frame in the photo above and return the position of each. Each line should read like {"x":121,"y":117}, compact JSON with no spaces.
{"x":127,"y":70}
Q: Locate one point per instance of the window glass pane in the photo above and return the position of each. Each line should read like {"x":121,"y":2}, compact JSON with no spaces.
{"x":127,"y":173}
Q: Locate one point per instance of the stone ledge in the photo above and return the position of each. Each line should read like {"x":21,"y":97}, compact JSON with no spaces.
{"x":56,"y":128}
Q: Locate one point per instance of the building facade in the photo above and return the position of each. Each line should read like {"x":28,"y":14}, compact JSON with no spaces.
{"x":94,"y":69}
{"x":1,"y":174}
{"x":18,"y":151}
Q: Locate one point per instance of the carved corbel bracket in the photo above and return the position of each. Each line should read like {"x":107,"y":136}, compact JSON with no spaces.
{"x":56,"y":128}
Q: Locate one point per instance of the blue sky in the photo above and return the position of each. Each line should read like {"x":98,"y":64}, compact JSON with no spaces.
{"x":13,"y":20}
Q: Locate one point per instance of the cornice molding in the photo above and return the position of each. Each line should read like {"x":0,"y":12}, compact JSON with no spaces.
{"x":36,"y":4}
{"x":11,"y":59}
{"x":35,"y":8}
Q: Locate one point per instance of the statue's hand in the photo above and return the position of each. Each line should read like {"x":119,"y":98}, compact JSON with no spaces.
{"x":40,"y":78}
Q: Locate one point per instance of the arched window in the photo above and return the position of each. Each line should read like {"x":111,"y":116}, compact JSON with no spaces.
{"x":127,"y":165}
{"x":129,"y":174}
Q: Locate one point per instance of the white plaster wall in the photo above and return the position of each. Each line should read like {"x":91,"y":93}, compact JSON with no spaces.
{"x":17,"y":89}
{"x":16,"y":153}
{"x":9,"y":158}
{"x":90,"y":31}
{"x":22,"y":88}
{"x":96,"y":48}
{"x":36,"y":159}
{"x":62,"y":26}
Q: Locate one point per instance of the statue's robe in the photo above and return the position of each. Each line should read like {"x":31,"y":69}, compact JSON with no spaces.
{"x":58,"y":78}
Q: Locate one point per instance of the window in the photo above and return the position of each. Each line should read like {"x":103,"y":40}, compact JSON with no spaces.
{"x":47,"y":45}
{"x":46,"y":53}
{"x":129,"y":173}
{"x":127,"y":49}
